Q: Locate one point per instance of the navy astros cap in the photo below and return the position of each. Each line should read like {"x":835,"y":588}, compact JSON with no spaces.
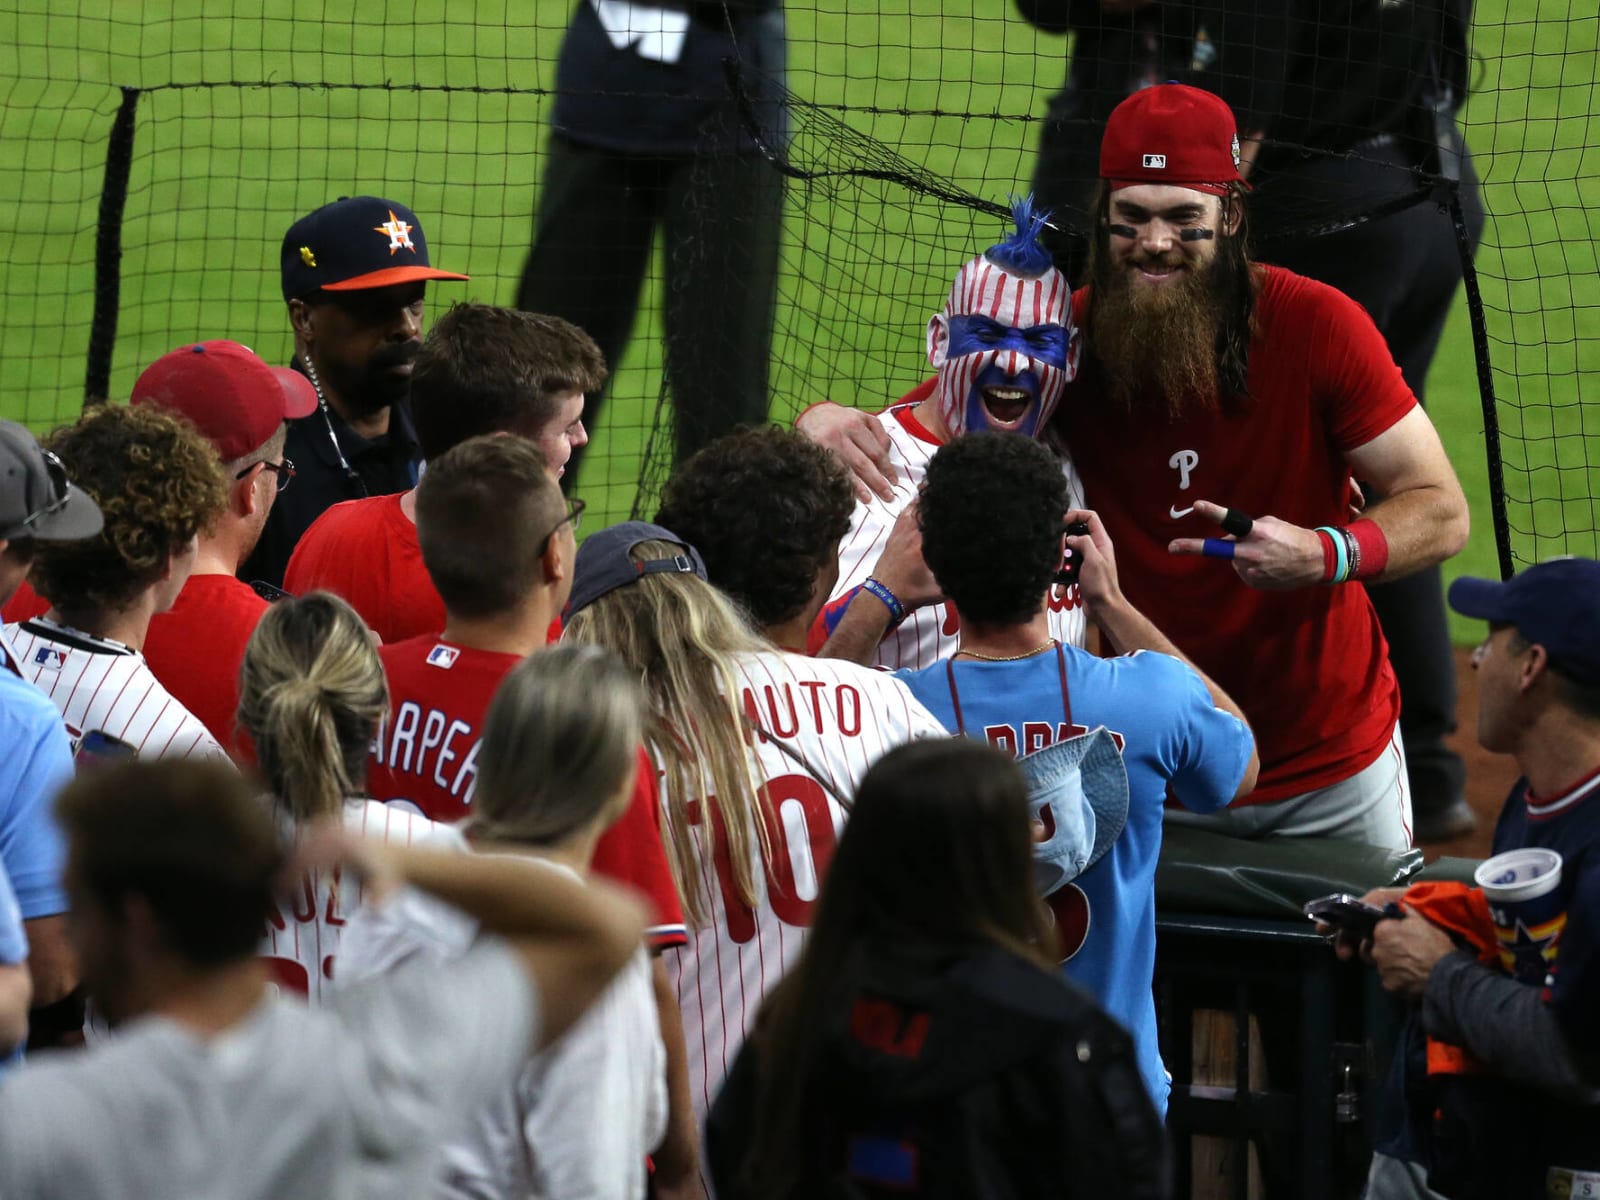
{"x":355,"y":243}
{"x":1554,"y":604}
{"x":605,"y":561}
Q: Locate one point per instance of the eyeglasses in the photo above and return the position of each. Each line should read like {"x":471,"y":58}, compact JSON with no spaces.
{"x":283,"y":470}
{"x":58,"y":485}
{"x":574,"y":517}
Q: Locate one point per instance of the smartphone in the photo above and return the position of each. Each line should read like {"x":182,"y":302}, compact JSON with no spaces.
{"x":1354,"y":919}
{"x":1071,"y":562}
{"x":97,"y":747}
{"x":270,"y":592}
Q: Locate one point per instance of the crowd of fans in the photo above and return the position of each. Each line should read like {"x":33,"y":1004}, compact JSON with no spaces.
{"x":794,"y":844}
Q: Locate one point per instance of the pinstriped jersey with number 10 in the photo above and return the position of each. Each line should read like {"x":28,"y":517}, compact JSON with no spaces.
{"x":930,"y":634}
{"x":837,"y":719}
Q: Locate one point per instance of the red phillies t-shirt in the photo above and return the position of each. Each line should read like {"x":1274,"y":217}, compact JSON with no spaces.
{"x":427,"y":753}
{"x":195,"y":649}
{"x":367,"y":552}
{"x":1309,"y":667}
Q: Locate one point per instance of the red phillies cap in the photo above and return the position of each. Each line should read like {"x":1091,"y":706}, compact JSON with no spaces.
{"x":234,"y":399}
{"x":1174,"y":134}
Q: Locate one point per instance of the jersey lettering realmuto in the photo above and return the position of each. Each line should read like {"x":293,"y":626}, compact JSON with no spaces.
{"x":930,"y":634}
{"x":105,"y":685}
{"x":832,"y":720}
{"x":304,"y":926}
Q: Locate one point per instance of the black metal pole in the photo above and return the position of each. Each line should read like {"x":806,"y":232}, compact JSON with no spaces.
{"x":1491,"y":413}
{"x":108,"y":250}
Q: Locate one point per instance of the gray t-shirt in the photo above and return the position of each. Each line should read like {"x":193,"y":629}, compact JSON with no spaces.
{"x":350,"y":1099}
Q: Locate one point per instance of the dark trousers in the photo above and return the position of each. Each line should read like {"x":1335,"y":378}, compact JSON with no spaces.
{"x":720,"y":218}
{"x":1404,"y":270}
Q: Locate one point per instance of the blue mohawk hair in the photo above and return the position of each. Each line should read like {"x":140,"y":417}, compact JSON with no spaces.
{"x":1021,"y":254}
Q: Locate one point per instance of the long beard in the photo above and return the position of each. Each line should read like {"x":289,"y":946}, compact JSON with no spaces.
{"x":1158,"y":347}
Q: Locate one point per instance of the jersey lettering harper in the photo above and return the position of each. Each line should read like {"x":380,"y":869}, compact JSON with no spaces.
{"x":304,"y":926}
{"x":427,"y":750}
{"x":822,"y":723}
{"x":930,"y":634}
{"x":100,"y":684}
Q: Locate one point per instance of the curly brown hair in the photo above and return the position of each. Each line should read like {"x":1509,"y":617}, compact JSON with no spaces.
{"x":157,"y":481}
{"x":766,"y":510}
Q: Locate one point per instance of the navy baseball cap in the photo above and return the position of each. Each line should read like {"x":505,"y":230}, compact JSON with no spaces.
{"x":605,"y":561}
{"x":1554,"y":604}
{"x":355,"y":243}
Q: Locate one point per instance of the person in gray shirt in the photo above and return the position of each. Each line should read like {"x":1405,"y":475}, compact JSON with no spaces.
{"x":214,"y":1086}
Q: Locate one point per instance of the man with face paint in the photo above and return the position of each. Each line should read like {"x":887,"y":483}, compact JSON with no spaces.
{"x":354,"y":276}
{"x":1005,"y":348}
{"x":1223,"y":410}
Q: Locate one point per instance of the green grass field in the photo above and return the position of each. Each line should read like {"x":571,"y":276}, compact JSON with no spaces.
{"x":219,"y":172}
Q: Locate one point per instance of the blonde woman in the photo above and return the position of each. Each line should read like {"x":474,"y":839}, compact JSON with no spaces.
{"x":311,"y":695}
{"x":759,"y":750}
{"x":555,"y":771}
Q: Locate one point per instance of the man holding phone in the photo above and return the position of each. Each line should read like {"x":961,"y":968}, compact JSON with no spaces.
{"x":1526,"y":1120}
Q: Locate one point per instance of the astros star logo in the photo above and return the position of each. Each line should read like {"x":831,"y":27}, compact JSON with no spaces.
{"x":399,"y":233}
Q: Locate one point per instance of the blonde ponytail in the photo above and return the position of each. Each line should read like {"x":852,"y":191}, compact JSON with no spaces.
{"x":311,"y":696}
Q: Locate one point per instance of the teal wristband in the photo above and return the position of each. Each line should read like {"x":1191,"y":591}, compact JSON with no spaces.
{"x":1341,"y":554}
{"x":897,"y":611}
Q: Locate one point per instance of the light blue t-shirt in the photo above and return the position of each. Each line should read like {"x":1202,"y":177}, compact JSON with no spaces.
{"x":13,"y":942}
{"x":35,"y":765}
{"x":1170,"y":733}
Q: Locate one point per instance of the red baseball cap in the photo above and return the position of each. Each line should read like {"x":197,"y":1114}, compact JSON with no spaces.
{"x":1173,"y":134}
{"x":234,"y":398}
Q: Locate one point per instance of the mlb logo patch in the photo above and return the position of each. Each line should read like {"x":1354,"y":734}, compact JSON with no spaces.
{"x":1155,"y":162}
{"x":49,"y":658}
{"x":443,"y":657}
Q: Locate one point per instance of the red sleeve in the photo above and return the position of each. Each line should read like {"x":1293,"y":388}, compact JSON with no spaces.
{"x":630,"y":852}
{"x":305,"y":572}
{"x":1364,"y":393}
{"x":24,"y":606}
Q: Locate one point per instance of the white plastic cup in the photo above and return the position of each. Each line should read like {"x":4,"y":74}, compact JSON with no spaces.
{"x":1522,"y":888}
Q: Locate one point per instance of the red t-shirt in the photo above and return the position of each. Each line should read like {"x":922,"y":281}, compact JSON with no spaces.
{"x":367,"y":552}
{"x":1309,"y":667}
{"x":25,"y":605}
{"x":195,"y":649}
{"x":427,"y":753}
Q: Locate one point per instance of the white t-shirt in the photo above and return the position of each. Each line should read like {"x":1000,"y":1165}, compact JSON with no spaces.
{"x":304,"y":927}
{"x":343,"y":1101}
{"x":834,"y":719}
{"x":931,"y":634}
{"x":583,"y":1113}
{"x":101,"y":684}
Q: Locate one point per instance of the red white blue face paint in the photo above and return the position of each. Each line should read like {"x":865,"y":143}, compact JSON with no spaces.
{"x":1005,"y":347}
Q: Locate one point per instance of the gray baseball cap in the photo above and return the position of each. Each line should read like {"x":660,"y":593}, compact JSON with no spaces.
{"x":605,"y":561}
{"x":36,"y":498}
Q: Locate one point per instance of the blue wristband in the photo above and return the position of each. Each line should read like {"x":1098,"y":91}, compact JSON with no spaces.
{"x":897,"y":611}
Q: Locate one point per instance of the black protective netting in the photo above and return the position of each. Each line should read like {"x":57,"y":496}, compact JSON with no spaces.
{"x":908,"y":126}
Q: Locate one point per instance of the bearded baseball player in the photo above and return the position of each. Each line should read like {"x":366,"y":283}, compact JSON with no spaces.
{"x":1224,"y":410}
{"x":1004,"y":347}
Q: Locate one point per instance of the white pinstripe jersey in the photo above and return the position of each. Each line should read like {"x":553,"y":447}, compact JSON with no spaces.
{"x":105,"y":685}
{"x":929,"y":634}
{"x":303,"y":929}
{"x":839,"y":718}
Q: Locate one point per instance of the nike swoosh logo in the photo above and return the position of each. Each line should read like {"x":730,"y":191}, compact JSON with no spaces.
{"x":1175,"y":512}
